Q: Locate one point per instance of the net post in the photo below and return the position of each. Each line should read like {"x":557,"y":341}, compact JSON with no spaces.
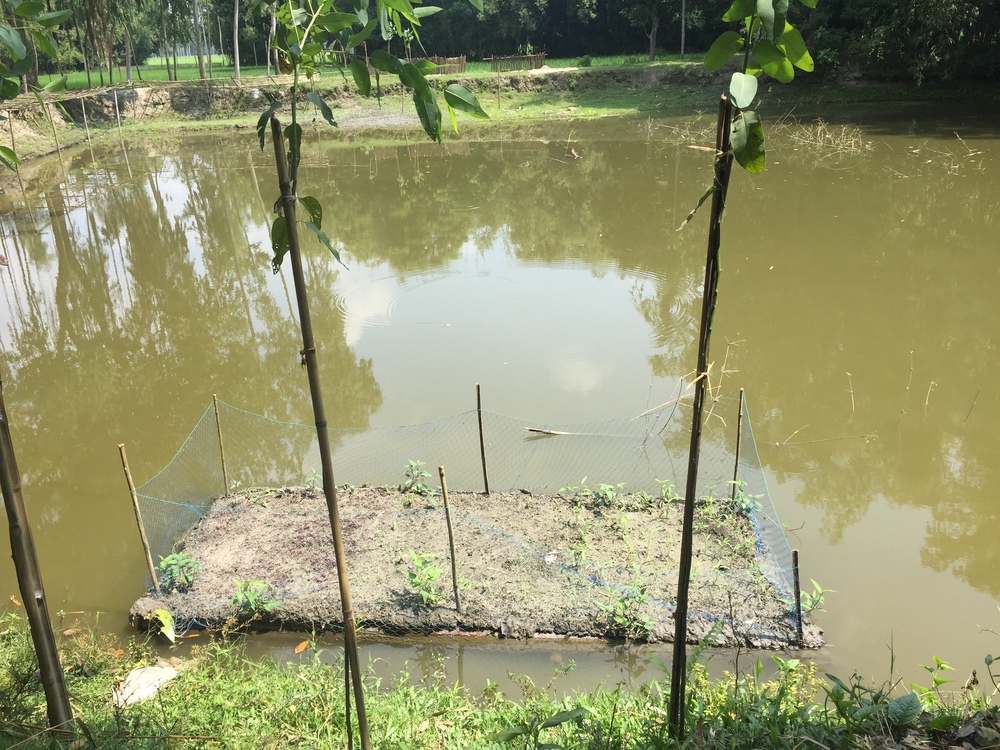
{"x":739,"y":445}
{"x":798,"y":598}
{"x":222,"y":450}
{"x":482,"y":440}
{"x":451,"y":538}
{"x":138,"y":519}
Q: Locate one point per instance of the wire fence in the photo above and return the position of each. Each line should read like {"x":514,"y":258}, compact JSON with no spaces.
{"x":535,"y":559}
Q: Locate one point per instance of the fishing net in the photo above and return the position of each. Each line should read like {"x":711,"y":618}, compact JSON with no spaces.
{"x":578,"y":535}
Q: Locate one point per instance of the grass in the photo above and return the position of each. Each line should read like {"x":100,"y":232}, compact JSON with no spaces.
{"x":222,"y":698}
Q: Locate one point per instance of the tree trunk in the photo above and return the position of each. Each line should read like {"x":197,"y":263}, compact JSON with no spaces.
{"x":128,"y":56}
{"x":236,"y":39}
{"x":683,"y":25}
{"x":272,"y":53}
{"x":166,"y":43}
{"x":652,"y":39}
{"x":197,"y":39}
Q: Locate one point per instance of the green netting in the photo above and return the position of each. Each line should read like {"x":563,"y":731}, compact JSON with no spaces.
{"x":642,"y":454}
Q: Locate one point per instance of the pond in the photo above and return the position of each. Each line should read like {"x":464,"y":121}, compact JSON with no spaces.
{"x":857,"y":308}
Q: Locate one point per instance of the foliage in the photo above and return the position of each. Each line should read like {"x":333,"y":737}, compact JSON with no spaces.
{"x":177,"y":571}
{"x":413,"y":480}
{"x":812,"y":601}
{"x":624,"y":612}
{"x":776,"y":49}
{"x":18,"y":686}
{"x":423,"y":578}
{"x":252,"y":598}
{"x":533,"y":727}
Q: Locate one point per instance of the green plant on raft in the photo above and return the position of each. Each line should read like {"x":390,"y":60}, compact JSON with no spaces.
{"x":176,"y":572}
{"x":423,"y":577}
{"x":251,"y":598}
{"x":413,"y":480}
{"x":624,"y":613}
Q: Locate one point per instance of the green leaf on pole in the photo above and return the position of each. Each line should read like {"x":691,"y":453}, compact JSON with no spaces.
{"x":773,"y":61}
{"x":8,"y":158}
{"x":279,"y":242}
{"x":747,"y":140}
{"x":324,"y":108}
{"x":337,"y":22}
{"x":314,"y":209}
{"x":794,"y":47}
{"x":425,"y":66}
{"x":743,"y":89}
{"x":29,"y":8}
{"x":809,"y":3}
{"x":263,"y":121}
{"x":44,"y":42}
{"x":325,"y":240}
{"x":53,"y":19}
{"x":426,"y":10}
{"x":400,"y":6}
{"x":722,"y":50}
{"x":355,"y":39}
{"x":56,"y":84}
{"x":430,"y":114}
{"x":701,"y":201}
{"x":9,"y":88}
{"x":477,"y":4}
{"x":740,"y":9}
{"x":772,"y":17}
{"x":460,"y":98}
{"x":11,"y":39}
{"x":362,"y":78}
{"x":382,"y":60}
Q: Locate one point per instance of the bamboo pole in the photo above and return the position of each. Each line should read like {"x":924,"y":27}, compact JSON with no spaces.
{"x":739,"y":444}
{"x":29,"y":583}
{"x":138,"y":519}
{"x":329,"y":487}
{"x":222,"y":450}
{"x":482,"y":440}
{"x":723,"y":165}
{"x":451,"y":538}
{"x":798,"y":597}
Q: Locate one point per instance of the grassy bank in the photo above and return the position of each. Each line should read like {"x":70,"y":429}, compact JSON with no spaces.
{"x":223,"y":699}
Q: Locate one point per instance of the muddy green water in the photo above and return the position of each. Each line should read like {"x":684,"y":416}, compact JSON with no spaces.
{"x":858,"y":300}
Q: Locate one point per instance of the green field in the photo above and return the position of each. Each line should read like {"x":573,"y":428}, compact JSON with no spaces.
{"x":187,"y":67}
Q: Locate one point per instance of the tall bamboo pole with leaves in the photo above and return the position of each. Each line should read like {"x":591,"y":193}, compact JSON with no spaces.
{"x":776,"y":48}
{"x":305,"y":29}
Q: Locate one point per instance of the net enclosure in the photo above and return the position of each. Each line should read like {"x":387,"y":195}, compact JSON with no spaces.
{"x":579,"y":533}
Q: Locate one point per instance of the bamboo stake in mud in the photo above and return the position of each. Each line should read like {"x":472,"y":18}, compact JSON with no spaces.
{"x":138,"y":519}
{"x":739,"y":445}
{"x":29,"y":583}
{"x":723,"y":168}
{"x":798,"y":597}
{"x":482,"y":440}
{"x":222,"y":450}
{"x":351,"y":661}
{"x":451,"y":537}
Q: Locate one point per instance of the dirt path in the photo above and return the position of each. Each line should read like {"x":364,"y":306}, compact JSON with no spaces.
{"x":589,"y":565}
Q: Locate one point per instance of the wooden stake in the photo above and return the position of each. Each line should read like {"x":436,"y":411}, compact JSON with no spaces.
{"x":482,"y":440}
{"x":739,"y":444}
{"x":222,"y":450}
{"x":29,"y":583}
{"x":723,"y":167}
{"x":288,"y":200}
{"x":451,"y":537}
{"x":138,"y":519}
{"x":798,"y":597}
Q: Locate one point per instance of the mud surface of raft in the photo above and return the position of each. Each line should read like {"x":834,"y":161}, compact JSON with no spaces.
{"x":586,"y":565}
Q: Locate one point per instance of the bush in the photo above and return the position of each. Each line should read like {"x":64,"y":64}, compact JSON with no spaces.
{"x":583,"y":62}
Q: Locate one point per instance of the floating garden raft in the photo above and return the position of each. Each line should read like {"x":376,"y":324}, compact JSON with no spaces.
{"x":580,"y":563}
